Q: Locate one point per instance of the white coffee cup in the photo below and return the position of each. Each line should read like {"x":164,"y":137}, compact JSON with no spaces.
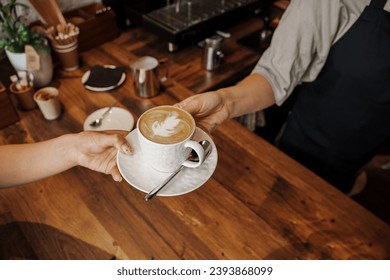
{"x":48,"y":102}
{"x":165,"y":136}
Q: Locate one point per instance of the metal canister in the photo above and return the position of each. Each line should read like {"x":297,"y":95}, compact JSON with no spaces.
{"x":145,"y":77}
{"x":212,"y":54}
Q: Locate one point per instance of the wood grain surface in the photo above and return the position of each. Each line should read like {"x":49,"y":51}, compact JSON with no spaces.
{"x":259,"y":203}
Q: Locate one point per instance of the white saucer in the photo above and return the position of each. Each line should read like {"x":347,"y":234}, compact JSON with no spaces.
{"x":138,"y":174}
{"x":85,"y":77}
{"x":117,"y":119}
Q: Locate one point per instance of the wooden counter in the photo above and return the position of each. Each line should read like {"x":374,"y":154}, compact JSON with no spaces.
{"x":259,"y":203}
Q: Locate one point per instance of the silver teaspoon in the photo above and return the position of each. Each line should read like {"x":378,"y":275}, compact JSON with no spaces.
{"x":207,"y":149}
{"x":98,"y":122}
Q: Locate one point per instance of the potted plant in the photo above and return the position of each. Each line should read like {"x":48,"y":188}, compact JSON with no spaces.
{"x":17,"y":36}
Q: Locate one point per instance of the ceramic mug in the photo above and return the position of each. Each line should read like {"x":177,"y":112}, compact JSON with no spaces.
{"x":165,"y":136}
{"x":48,"y":102}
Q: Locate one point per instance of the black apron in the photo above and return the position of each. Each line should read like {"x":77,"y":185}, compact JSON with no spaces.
{"x":339,"y":121}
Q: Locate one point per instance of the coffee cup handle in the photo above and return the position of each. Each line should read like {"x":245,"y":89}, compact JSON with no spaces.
{"x":195,"y":146}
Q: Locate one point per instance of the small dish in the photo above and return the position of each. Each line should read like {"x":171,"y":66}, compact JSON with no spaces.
{"x":117,"y":119}
{"x":138,"y":174}
{"x":86,"y":75}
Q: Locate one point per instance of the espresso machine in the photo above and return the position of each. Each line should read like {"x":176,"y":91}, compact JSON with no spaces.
{"x":188,"y":21}
{"x":130,"y":12}
{"x":180,"y":22}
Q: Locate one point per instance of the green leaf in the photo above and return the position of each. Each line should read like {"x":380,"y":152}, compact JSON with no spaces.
{"x":17,"y":34}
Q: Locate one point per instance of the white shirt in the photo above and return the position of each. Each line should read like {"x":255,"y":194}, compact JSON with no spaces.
{"x":302,"y":40}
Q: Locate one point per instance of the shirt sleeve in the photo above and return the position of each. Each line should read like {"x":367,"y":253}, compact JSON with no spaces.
{"x":300,"y":44}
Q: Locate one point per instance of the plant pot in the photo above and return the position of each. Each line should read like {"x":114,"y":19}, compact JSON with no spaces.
{"x":18,"y":60}
{"x":43,"y":76}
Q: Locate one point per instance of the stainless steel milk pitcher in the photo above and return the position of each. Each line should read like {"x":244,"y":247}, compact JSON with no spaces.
{"x":212,"y":54}
{"x":145,"y":75}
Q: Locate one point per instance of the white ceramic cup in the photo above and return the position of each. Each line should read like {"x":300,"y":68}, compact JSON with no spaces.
{"x":165,"y":136}
{"x":48,"y":102}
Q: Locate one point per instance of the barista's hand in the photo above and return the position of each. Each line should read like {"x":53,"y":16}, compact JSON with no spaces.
{"x":97,"y":151}
{"x":208,"y":109}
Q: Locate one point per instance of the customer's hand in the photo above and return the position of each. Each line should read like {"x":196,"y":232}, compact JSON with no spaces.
{"x":97,"y":151}
{"x":208,"y":109}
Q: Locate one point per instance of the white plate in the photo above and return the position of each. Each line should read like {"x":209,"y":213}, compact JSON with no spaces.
{"x":85,"y":77}
{"x":117,"y":119}
{"x":138,"y":174}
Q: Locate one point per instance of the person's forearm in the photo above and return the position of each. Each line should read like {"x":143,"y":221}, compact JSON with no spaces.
{"x":252,"y":94}
{"x":24,"y":163}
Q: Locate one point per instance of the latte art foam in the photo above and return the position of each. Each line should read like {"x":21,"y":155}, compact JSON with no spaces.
{"x":166,"y":125}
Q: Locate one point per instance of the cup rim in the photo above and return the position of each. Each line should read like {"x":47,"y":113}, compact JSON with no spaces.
{"x":15,"y":91}
{"x":66,"y":46}
{"x":167,"y":144}
{"x":135,"y":65}
{"x":53,"y":91}
{"x":67,"y":49}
